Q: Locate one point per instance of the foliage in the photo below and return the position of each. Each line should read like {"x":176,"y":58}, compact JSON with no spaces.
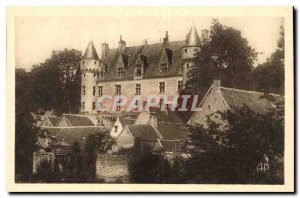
{"x":269,"y":76}
{"x":249,"y":139}
{"x":45,"y":173}
{"x":226,"y":56}
{"x":25,"y":128}
{"x":56,"y":81}
{"x":144,"y":166}
{"x":95,"y":144}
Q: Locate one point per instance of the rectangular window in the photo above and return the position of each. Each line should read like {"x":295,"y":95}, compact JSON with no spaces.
{"x":94,"y":105}
{"x":161,"y":101}
{"x":118,"y":107}
{"x":138,"y":70}
{"x":94,"y":90}
{"x":120,"y":72}
{"x":100,"y":90}
{"x":161,"y":87}
{"x":116,"y":128}
{"x":138,"y":89}
{"x":83,"y":90}
{"x":180,"y":86}
{"x":163,"y":68}
{"x":118,"y":89}
{"x":83,"y":105}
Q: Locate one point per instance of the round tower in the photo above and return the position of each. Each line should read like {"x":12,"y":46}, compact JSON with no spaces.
{"x":189,"y":54}
{"x":89,"y":67}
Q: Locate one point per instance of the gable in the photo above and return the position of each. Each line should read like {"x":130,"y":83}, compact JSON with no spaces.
{"x":211,"y":104}
{"x":63,"y":122}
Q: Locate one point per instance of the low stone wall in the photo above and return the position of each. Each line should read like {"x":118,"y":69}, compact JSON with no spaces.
{"x":112,"y":168}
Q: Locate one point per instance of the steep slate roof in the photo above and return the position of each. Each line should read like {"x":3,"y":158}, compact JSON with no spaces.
{"x":256,"y":101}
{"x":153,"y":52}
{"x":90,"y":52}
{"x":53,"y":120}
{"x":172,"y":131}
{"x":193,"y":38}
{"x":72,"y":134}
{"x":144,"y":132}
{"x":78,"y":120}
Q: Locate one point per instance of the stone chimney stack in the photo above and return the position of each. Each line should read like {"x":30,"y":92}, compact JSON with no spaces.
{"x":166,"y":40}
{"x":217,"y":84}
{"x":204,"y":35}
{"x":153,"y":119}
{"x":122,"y":44}
{"x":145,"y":42}
{"x":104,"y":50}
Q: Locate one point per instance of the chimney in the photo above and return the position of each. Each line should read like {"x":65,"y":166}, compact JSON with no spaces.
{"x":122,"y":44}
{"x":166,"y":40}
{"x":217,"y":83}
{"x":204,"y":35}
{"x":145,"y":42}
{"x":104,"y":50}
{"x":153,"y":119}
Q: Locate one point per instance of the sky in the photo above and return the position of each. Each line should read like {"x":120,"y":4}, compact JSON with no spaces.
{"x":37,"y":37}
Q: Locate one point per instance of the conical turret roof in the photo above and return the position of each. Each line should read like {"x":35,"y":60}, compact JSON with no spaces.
{"x":193,"y":38}
{"x":90,"y":52}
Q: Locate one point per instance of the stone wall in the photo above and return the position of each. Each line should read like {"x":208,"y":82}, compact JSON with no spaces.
{"x":112,"y":168}
{"x":148,"y":87}
{"x":39,"y":157}
{"x":212,"y":104}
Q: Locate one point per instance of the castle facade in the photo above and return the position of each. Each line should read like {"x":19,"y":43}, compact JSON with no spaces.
{"x":149,"y":69}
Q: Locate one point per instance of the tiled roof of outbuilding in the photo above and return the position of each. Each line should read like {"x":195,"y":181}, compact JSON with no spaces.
{"x":53,"y":120}
{"x":126,"y":121}
{"x":172,"y":145}
{"x":172,"y":131}
{"x":144,"y":132}
{"x":72,"y":134}
{"x":256,"y":101}
{"x":78,"y":120}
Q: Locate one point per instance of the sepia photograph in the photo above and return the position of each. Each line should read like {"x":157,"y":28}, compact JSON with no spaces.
{"x":180,"y":96}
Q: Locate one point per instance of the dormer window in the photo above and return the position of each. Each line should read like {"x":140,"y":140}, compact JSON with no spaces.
{"x":120,"y":72}
{"x":138,"y":70}
{"x":163,"y":68}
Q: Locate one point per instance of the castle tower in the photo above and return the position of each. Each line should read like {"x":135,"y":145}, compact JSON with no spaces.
{"x":89,"y":67}
{"x":189,"y":54}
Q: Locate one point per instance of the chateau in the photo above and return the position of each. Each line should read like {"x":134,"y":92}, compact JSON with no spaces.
{"x":148,"y":69}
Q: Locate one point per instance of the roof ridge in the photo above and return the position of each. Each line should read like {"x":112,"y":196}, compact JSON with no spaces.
{"x":71,"y":127}
{"x":148,"y":45}
{"x":248,"y":91}
{"x":170,"y":122}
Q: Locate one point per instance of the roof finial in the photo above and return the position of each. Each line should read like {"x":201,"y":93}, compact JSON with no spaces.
{"x":120,"y":37}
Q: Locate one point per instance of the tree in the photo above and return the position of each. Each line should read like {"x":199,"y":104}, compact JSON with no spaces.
{"x":144,"y":166}
{"x":95,"y":144}
{"x":249,"y":139}
{"x":25,"y":131}
{"x":269,"y":76}
{"x":56,"y":81}
{"x":226,"y":56}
